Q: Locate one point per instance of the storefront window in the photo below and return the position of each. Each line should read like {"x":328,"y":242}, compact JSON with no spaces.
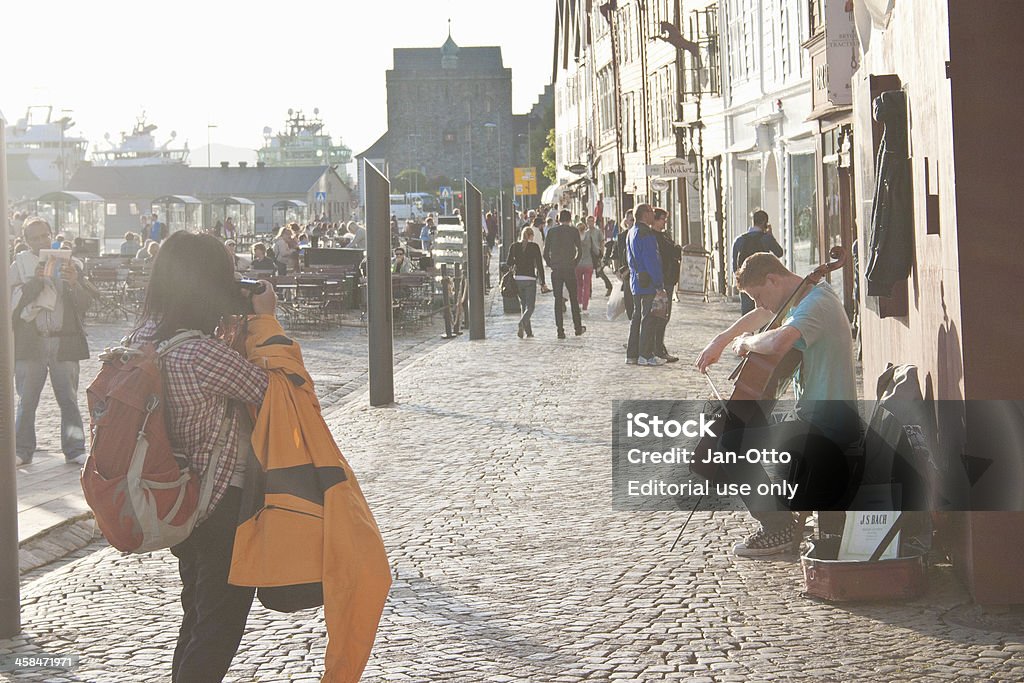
{"x":753,"y":191}
{"x":833,"y":220}
{"x":804,"y":215}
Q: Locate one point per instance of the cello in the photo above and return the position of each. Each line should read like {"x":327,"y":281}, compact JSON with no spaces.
{"x":760,"y":379}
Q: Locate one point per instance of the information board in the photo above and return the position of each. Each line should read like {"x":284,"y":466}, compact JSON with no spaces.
{"x":693,"y":272}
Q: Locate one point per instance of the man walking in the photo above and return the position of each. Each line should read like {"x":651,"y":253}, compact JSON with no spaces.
{"x":48,"y":306}
{"x":757,"y":239}
{"x":562,"y":252}
{"x":645,"y":281}
{"x":671,"y":258}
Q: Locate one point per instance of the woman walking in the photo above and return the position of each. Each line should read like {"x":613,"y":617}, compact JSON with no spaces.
{"x":590,"y":255}
{"x":525,"y":261}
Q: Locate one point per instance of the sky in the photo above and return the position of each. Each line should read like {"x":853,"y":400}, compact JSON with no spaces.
{"x":242,"y":65}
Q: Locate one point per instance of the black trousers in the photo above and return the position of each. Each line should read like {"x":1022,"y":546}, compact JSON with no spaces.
{"x":566,"y":279}
{"x":215,"y":612}
{"x":659,"y":331}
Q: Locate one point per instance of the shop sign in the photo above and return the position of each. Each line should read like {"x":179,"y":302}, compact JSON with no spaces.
{"x":841,"y":53}
{"x":672,"y":168}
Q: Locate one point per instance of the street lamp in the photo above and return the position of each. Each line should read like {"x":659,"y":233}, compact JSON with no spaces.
{"x":498,"y":127}
{"x":208,"y":127}
{"x":413,"y":158}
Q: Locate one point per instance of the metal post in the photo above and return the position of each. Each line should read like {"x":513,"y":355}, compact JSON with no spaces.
{"x":10,"y":599}
{"x":475,"y":247}
{"x":446,"y":284}
{"x":378,"y":286}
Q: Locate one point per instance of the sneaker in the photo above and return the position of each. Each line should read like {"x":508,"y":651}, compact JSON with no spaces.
{"x":668,"y":357}
{"x":23,"y":459}
{"x":652,"y":361}
{"x":631,"y":361}
{"x":521,"y":331}
{"x":583,"y":328}
{"x":561,"y":335}
{"x":77,"y":460}
{"x":762,"y":544}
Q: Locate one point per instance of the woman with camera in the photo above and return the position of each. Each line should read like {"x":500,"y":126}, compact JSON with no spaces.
{"x":206,"y":382}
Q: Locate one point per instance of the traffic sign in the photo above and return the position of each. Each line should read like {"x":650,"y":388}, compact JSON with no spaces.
{"x":446,"y":192}
{"x":526,"y":180}
{"x":321,"y":196}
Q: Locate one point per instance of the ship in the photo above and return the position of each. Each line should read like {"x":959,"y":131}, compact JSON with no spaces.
{"x":139,"y":148}
{"x":42,"y":154}
{"x":304,"y":143}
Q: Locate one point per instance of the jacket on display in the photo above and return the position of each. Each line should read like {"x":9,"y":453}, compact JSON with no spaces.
{"x":891,"y":254}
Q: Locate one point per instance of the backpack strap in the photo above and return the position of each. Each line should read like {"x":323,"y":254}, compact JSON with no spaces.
{"x":209,"y":476}
{"x":168,"y":345}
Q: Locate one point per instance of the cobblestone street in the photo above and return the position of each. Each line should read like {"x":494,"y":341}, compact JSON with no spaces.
{"x":490,"y":480}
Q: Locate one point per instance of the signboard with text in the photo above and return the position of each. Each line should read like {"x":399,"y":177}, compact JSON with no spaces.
{"x":526,"y":180}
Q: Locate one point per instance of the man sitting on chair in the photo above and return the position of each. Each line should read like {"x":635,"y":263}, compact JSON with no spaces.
{"x":825,"y":385}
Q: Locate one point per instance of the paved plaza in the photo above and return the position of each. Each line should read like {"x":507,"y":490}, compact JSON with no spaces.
{"x":490,"y":480}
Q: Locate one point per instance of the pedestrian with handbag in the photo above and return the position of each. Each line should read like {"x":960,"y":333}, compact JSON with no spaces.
{"x":527,"y":267}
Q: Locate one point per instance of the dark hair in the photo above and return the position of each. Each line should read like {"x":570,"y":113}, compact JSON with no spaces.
{"x":564,"y":216}
{"x":760,"y":218}
{"x":192,"y":286}
{"x":660,"y":213}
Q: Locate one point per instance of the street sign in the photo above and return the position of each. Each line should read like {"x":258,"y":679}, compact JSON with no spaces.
{"x":672,"y":168}
{"x":321,"y":196}
{"x":446,"y":192}
{"x":526,"y":180}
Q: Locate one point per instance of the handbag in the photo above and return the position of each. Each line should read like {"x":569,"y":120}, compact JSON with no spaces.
{"x":616,"y":303}
{"x":509,"y":288}
{"x":659,"y":307}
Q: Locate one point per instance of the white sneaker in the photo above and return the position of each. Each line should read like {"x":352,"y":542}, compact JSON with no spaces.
{"x":78,"y":460}
{"x":652,"y":361}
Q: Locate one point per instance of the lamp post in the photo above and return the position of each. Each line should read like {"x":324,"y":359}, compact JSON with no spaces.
{"x":497,"y":126}
{"x":208,"y":127}
{"x":413,"y":158}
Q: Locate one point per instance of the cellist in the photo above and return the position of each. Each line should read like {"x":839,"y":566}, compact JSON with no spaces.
{"x":815,"y":324}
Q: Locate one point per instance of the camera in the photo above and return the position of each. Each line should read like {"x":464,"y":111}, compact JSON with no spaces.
{"x":247,"y":287}
{"x":252,"y":286}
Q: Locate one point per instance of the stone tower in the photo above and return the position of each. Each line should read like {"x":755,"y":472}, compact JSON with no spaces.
{"x":449,"y":114}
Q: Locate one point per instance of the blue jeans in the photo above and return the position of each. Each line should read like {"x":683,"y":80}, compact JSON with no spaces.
{"x":528,"y":300}
{"x":29,"y":378}
{"x":642,"y":328}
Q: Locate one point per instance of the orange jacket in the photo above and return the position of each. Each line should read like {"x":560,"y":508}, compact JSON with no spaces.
{"x":310,"y":523}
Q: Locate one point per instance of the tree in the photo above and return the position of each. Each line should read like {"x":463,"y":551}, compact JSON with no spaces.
{"x":550,"y":170}
{"x":410,"y":180}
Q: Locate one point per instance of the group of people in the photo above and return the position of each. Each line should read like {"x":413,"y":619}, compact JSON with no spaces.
{"x":292,"y":238}
{"x":576,"y":250}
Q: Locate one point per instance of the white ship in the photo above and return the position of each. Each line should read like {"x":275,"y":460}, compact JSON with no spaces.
{"x":41,"y":154}
{"x":139,"y":148}
{"x":304,"y":143}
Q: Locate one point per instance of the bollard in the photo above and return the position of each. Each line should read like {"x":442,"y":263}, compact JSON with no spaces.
{"x":10,"y":597}
{"x":378,"y":286}
{"x":446,"y":284}
{"x":458,"y":290}
{"x":509,"y":304}
{"x":475,"y":246}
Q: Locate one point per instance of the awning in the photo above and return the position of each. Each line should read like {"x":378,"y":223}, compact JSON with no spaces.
{"x":67,"y":196}
{"x":176,"y":199}
{"x":548,"y":196}
{"x":290,"y":204}
{"x":231,"y":201}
